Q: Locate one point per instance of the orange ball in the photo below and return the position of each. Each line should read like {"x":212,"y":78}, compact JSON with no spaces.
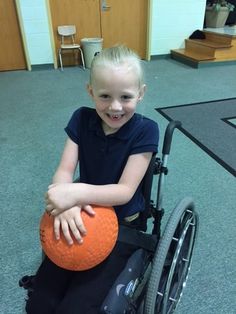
{"x":102,"y":231}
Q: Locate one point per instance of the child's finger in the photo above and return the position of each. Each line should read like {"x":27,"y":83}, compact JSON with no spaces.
{"x":76,"y":233}
{"x":66,"y":232}
{"x":54,"y":212}
{"x":52,"y":185}
{"x":89,"y":209}
{"x":49,"y":208}
{"x":57,"y":228}
{"x":80,"y":225}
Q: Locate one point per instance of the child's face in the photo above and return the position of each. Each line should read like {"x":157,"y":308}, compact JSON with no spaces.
{"x":116,"y":92}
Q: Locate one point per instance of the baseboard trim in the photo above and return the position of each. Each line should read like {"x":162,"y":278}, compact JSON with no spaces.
{"x":40,"y":67}
{"x":161,"y":57}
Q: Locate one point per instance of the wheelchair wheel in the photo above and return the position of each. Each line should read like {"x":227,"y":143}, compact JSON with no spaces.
{"x":172,"y":260}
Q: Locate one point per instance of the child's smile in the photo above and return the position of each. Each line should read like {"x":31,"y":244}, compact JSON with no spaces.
{"x":115,"y":117}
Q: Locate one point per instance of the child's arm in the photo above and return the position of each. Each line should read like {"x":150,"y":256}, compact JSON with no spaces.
{"x":63,"y":196}
{"x":69,"y":160}
{"x":69,"y":221}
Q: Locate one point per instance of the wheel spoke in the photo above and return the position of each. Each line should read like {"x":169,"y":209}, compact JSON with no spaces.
{"x":172,"y":260}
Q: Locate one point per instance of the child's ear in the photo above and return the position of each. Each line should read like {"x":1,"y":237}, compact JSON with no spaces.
{"x":90,"y":90}
{"x":142,"y":91}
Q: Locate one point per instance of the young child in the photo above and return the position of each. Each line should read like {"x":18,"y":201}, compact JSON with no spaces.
{"x":113,"y":146}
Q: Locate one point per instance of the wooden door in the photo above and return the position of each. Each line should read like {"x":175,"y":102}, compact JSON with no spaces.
{"x":11,"y":52}
{"x":85,"y":14}
{"x":125,"y":22}
{"x":122,"y":22}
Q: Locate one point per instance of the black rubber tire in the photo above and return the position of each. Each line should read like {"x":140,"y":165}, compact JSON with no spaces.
{"x":185,"y":207}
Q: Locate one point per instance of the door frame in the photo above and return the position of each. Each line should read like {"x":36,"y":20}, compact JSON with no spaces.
{"x":23,"y":37}
{"x":51,"y":34}
{"x":149,"y":29}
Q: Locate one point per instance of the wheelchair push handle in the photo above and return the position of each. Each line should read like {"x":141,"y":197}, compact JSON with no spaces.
{"x":168,"y":136}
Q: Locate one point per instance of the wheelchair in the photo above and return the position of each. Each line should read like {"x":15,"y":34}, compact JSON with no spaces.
{"x":155,"y":275}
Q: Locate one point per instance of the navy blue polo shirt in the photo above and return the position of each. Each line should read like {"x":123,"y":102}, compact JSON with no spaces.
{"x":102,"y":158}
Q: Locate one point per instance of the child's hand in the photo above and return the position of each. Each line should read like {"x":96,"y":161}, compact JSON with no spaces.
{"x":70,"y":222}
{"x":59,"y":197}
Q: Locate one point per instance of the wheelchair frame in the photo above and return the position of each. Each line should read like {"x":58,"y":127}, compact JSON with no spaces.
{"x":160,"y":286}
{"x":173,"y":256}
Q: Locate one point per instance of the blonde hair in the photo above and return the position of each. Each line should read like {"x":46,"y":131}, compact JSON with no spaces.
{"x":118,"y":55}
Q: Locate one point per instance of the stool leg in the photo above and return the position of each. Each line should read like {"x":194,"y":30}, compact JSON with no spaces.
{"x":82,"y":57}
{"x":60,"y":59}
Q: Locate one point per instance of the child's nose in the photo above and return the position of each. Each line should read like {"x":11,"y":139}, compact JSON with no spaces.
{"x":115,"y":105}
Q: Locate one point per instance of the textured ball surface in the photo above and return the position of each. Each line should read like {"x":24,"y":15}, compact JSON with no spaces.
{"x":102,"y":231}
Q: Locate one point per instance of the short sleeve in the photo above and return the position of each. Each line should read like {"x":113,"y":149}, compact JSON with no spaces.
{"x":147,"y":137}
{"x":73,"y":127}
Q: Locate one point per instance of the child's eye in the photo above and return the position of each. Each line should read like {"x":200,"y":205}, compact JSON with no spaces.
{"x":104,"y":96}
{"x":126,"y":97}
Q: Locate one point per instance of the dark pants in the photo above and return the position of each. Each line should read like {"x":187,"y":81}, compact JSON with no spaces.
{"x":61,"y":291}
